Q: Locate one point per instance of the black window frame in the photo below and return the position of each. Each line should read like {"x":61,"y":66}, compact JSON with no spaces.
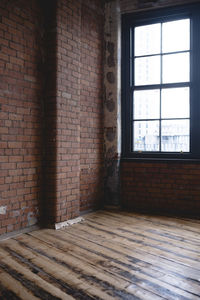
{"x":129,"y":21}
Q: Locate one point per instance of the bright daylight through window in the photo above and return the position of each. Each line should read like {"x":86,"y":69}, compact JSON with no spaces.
{"x":161,"y":109}
{"x":160,"y":83}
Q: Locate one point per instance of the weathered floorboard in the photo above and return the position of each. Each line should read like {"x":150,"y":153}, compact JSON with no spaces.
{"x":110,"y":255}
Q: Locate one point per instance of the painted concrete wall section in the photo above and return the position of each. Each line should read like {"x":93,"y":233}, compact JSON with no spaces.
{"x":112,"y":112}
{"x":127,"y":6}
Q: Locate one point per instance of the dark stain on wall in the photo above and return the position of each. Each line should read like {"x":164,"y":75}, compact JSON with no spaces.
{"x":111,"y":169}
{"x":110,"y":133}
{"x":110,"y":153}
{"x":111,"y":49}
{"x":112,"y":177}
{"x":110,"y":104}
{"x":110,"y":77}
{"x":108,"y":35}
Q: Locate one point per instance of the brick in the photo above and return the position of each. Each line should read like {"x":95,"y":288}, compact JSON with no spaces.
{"x":22,"y":132}
{"x":17,"y":106}
{"x":155,"y":193}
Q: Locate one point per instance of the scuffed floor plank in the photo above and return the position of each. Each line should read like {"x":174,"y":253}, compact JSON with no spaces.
{"x":110,"y":255}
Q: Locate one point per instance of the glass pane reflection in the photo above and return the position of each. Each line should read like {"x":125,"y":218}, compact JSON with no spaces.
{"x":176,"y":68}
{"x":175,"y":103}
{"x":147,"y":70}
{"x":147,"y":39}
{"x":176,"y":36}
{"x":146,"y":136}
{"x":175,"y":135}
{"x":147,"y":104}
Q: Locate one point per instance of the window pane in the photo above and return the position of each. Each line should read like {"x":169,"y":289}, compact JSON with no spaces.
{"x":175,"y":103}
{"x":147,"y":104}
{"x":146,"y":136}
{"x":147,"y":70}
{"x":175,"y":135}
{"x":176,"y":36}
{"x":176,"y":68}
{"x":147,"y":39}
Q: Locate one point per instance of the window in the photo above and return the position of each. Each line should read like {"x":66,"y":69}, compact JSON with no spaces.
{"x":161,"y":83}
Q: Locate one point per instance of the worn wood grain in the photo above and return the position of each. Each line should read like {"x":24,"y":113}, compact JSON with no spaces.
{"x":110,"y":255}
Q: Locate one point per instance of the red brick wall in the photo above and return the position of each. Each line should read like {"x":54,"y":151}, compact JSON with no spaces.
{"x":170,"y":188}
{"x":20,"y":114}
{"x":51,"y":110}
{"x":74,"y":159}
{"x":91,"y":110}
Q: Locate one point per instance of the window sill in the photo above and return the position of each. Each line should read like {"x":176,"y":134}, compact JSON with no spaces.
{"x":160,"y":159}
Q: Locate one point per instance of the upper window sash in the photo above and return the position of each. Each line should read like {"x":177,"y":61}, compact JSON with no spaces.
{"x":146,"y":18}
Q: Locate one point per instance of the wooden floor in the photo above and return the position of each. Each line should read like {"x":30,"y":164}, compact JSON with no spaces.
{"x":110,"y":255}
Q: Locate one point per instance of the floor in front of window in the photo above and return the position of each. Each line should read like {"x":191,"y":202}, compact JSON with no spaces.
{"x":110,"y":255}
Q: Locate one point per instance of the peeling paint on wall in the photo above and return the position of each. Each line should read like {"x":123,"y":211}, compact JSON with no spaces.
{"x":111,"y":49}
{"x":109,"y":103}
{"x":32,"y":220}
{"x":112,"y":112}
{"x":110,"y":133}
{"x":110,"y":77}
{"x":3,"y":210}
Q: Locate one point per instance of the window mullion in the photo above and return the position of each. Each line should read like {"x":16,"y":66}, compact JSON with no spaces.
{"x":161,"y":81}
{"x":158,"y":86}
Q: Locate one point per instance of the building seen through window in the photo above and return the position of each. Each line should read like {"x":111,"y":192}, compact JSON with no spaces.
{"x":161,"y":96}
{"x":161,"y":83}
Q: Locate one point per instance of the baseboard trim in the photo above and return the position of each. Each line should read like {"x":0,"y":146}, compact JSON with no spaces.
{"x":13,"y":234}
{"x":68,"y":223}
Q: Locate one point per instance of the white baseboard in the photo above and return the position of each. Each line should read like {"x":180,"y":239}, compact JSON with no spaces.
{"x":68,"y":223}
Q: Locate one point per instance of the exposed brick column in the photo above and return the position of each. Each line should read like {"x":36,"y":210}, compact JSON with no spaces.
{"x":112,"y":106}
{"x":91,"y":105}
{"x":47,"y":206}
{"x":73,"y":108}
{"x":68,"y":110}
{"x":62,"y":111}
